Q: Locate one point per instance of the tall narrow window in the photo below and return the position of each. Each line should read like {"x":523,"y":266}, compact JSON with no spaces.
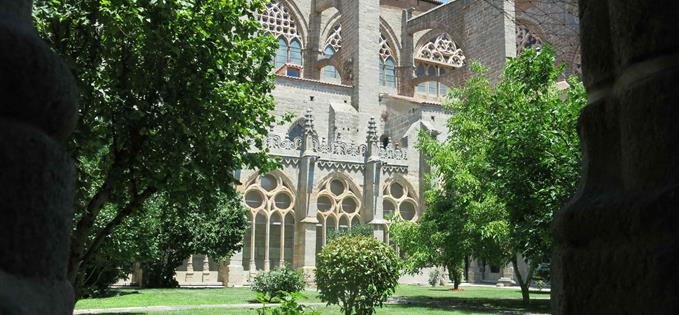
{"x":387,"y":64}
{"x":295,"y":52}
{"x":281,"y":53}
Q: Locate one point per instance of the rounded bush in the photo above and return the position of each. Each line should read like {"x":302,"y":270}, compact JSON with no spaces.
{"x":283,"y":279}
{"x":357,"y":272}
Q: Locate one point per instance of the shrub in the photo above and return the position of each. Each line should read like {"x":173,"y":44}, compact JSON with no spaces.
{"x":289,"y":305}
{"x":357,"y":272}
{"x":273,"y":283}
{"x":434,"y":277}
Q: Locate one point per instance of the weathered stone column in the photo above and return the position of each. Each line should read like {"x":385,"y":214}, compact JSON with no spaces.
{"x":305,"y":234}
{"x":617,"y":242}
{"x":372,"y":207}
{"x":234,"y":271}
{"x":37,"y":114}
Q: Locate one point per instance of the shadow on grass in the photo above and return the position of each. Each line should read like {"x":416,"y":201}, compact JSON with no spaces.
{"x":474,"y":304}
{"x":112,"y":293}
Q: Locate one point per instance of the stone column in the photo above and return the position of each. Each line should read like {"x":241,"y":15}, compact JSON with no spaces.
{"x":305,"y":232}
{"x":617,"y":247}
{"x":37,"y":176}
{"x":267,"y":262}
{"x":253,"y":265}
{"x":206,"y":269}
{"x":189,"y":270}
{"x":372,"y":205}
{"x":234,"y":273}
{"x":282,"y":243}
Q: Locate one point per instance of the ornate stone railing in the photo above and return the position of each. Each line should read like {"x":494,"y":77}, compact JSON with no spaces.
{"x":335,"y":149}
{"x":339,"y":148}
{"x":392,"y":153}
{"x":278,"y":144}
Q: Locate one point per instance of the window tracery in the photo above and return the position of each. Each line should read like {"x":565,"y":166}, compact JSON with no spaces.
{"x":277,"y":20}
{"x":269,"y":239}
{"x":526,"y":39}
{"x":339,"y":207}
{"x":442,"y":50}
{"x":334,"y":41}
{"x":399,"y":202}
{"x":387,"y":64}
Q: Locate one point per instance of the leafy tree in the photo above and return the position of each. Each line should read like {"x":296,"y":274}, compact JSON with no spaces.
{"x":535,"y":152}
{"x":463,"y":217}
{"x":357,"y":272}
{"x":173,"y":94}
{"x":510,"y":160}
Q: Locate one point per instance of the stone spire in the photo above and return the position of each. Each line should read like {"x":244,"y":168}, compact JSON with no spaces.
{"x":309,"y":133}
{"x":372,"y":140}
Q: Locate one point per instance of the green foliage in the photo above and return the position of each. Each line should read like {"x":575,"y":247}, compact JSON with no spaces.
{"x":289,"y":305}
{"x":173,"y":95}
{"x":356,"y":230}
{"x":511,"y":159}
{"x":277,"y":282}
{"x":357,"y":272}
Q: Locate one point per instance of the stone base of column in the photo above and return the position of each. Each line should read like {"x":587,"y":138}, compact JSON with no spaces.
{"x":505,"y":282}
{"x":309,"y":275}
{"x":234,"y":276}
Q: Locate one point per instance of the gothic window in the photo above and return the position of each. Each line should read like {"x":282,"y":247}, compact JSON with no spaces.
{"x":338,"y":208}
{"x":329,"y":73}
{"x":441,"y":50}
{"x":387,"y":64}
{"x":334,"y":41}
{"x":399,"y":202}
{"x":269,"y":239}
{"x":277,"y":20}
{"x":526,"y":39}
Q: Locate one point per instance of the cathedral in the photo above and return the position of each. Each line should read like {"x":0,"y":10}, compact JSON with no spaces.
{"x":364,"y":78}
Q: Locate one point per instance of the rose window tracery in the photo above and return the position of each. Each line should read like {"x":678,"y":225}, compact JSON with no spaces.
{"x":441,"y":50}
{"x":339,"y":207}
{"x":269,"y":239}
{"x":399,"y":202}
{"x":277,"y":20}
{"x":526,"y":39}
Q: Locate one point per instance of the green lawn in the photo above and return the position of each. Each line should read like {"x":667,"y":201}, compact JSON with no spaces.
{"x":412,"y":299}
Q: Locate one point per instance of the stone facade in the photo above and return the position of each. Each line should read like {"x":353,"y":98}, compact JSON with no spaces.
{"x":364,"y":77}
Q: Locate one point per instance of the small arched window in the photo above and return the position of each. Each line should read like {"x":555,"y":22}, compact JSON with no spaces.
{"x":330,"y":73}
{"x":329,"y":51}
{"x":295,"y":52}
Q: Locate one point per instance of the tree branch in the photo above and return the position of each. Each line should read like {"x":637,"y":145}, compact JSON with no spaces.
{"x":136,"y":202}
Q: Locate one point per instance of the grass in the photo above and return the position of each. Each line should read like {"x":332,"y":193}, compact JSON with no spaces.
{"x":412,"y":300}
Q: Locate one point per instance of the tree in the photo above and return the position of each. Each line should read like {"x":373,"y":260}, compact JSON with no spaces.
{"x":535,"y":152}
{"x":463,"y":217}
{"x":357,"y":272}
{"x":509,"y":162}
{"x":173,"y":94}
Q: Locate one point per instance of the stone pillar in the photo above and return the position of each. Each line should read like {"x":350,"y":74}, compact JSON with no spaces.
{"x":234,"y":273}
{"x":360,"y":36}
{"x":189,"y":270}
{"x":405,"y":66}
{"x":305,"y":232}
{"x":37,"y":176}
{"x":617,"y":247}
{"x":206,"y":270}
{"x":372,"y":205}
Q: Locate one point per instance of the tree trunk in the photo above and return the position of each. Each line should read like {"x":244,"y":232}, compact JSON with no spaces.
{"x":466,"y":269}
{"x":523,"y":283}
